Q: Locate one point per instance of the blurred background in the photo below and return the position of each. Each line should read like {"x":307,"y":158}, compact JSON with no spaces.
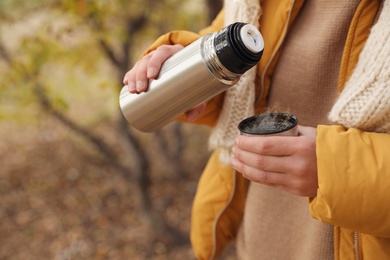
{"x":76,"y":181}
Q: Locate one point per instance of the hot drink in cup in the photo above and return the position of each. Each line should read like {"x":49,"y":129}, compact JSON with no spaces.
{"x":269,"y":124}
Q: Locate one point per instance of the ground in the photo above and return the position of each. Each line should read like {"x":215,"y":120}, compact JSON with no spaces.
{"x":58,"y":203}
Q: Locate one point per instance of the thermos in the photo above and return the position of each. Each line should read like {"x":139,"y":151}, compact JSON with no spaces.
{"x":198,"y":72}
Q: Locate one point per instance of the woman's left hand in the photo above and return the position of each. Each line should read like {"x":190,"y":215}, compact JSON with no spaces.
{"x":286,"y":162}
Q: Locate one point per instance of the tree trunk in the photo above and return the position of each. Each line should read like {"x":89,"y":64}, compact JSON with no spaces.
{"x":213,"y":6}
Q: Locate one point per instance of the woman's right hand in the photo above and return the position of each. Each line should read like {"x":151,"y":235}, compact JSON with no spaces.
{"x":148,"y":68}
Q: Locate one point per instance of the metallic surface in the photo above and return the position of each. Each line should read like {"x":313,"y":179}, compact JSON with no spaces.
{"x":187,"y":79}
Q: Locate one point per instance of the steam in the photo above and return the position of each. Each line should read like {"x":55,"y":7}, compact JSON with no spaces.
{"x":267,"y":123}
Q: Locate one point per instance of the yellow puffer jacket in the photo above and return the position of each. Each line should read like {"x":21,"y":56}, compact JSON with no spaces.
{"x":355,"y":201}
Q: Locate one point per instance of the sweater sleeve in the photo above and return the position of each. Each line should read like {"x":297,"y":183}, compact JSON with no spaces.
{"x":354,"y":180}
{"x":214,"y":105}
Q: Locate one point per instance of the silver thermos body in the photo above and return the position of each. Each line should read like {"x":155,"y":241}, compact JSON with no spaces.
{"x":198,"y":72}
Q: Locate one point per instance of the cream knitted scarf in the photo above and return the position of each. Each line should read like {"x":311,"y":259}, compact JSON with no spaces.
{"x":364,"y":102}
{"x":239,"y":99}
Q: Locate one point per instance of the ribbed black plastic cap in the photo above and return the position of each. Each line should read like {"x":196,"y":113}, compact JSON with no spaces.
{"x":231,"y":50}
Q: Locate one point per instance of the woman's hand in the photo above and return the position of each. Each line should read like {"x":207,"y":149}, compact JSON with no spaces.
{"x":148,"y":68}
{"x":137,"y":79}
{"x":286,"y":162}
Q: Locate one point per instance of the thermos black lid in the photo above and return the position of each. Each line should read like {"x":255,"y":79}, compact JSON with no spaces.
{"x":239,"y":47}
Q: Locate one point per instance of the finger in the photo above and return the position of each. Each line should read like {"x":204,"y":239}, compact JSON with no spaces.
{"x":141,"y":80}
{"x":133,"y":75}
{"x":307,"y":131}
{"x":267,"y":145}
{"x":125,"y":78}
{"x":259,"y":176}
{"x":193,"y":114}
{"x":129,"y":80}
{"x":279,"y":164}
{"x":161,"y":54}
{"x":274,"y":179}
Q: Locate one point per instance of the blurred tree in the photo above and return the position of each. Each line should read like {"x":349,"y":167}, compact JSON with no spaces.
{"x":69,"y":42}
{"x":213,"y":7}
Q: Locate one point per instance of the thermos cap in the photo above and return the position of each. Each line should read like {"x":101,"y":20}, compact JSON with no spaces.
{"x":239,"y":47}
{"x":252,"y":38}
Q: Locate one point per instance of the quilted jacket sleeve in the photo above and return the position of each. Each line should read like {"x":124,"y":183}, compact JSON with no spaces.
{"x":354,"y":180}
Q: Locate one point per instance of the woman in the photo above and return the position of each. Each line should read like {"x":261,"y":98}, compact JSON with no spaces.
{"x":323,"y":194}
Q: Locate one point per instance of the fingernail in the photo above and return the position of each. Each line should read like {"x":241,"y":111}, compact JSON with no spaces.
{"x":131,"y":87}
{"x":234,"y":162}
{"x":151,"y":72}
{"x":140,"y":86}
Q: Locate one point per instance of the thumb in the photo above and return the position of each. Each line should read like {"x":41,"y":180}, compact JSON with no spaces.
{"x":307,"y":131}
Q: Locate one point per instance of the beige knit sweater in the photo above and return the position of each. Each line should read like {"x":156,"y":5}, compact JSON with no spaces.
{"x":276,"y":224}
